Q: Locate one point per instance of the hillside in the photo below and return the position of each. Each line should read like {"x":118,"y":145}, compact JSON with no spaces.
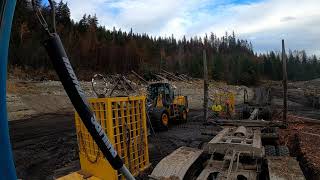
{"x":93,"y":48}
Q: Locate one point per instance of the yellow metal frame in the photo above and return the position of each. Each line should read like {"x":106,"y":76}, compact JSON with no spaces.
{"x":78,"y":176}
{"x":124,"y":121}
{"x":180,"y":100}
{"x":223,"y":99}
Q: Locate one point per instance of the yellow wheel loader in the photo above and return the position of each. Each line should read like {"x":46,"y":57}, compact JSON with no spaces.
{"x":164,"y":107}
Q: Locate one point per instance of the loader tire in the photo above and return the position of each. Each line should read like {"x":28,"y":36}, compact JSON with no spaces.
{"x":160,"y":120}
{"x":184,"y":116}
{"x":283,"y":151}
{"x":270,"y":150}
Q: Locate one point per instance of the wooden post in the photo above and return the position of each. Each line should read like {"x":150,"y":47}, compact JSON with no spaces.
{"x":140,"y":77}
{"x":205,"y":86}
{"x":285,"y":84}
{"x":162,"y":54}
{"x":160,"y":64}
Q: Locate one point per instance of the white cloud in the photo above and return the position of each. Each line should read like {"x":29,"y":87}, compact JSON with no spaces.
{"x":154,"y":17}
{"x":264,"y":22}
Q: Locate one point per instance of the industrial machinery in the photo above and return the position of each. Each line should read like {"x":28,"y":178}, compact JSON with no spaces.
{"x":113,"y":133}
{"x":259,"y":107}
{"x":123,"y":119}
{"x":164,"y":107}
{"x":233,"y":154}
{"x":223,"y":104}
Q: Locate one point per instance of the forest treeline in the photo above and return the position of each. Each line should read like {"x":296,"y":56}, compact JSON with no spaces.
{"x":93,"y":48}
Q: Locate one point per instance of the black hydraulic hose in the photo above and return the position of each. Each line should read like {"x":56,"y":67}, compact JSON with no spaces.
{"x":71,"y":85}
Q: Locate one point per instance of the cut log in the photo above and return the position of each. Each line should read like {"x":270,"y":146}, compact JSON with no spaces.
{"x":140,"y":77}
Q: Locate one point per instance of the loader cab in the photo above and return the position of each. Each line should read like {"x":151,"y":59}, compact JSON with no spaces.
{"x":163,"y":89}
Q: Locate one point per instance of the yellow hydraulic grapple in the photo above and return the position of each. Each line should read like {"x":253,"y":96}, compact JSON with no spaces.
{"x":124,"y":121}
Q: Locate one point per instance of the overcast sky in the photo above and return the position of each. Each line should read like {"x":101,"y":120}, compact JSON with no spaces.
{"x":263,"y":22}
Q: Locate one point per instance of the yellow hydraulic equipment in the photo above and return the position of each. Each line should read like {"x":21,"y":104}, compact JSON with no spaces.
{"x":164,"y":106}
{"x":177,"y":101}
{"x":217,"y":108}
{"x":180,"y":100}
{"x":124,"y":121}
{"x":223,"y":104}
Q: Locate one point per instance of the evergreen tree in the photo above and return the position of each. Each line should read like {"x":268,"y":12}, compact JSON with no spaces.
{"x":92,"y":47}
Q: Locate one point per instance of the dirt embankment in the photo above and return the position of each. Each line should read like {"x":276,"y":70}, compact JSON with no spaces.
{"x":31,"y":98}
{"x":301,"y":99}
{"x":26,"y":99}
{"x":303,"y":139}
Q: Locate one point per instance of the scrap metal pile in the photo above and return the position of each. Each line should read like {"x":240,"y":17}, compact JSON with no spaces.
{"x":234,"y":153}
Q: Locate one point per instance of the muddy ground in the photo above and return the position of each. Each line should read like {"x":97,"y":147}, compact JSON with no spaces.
{"x":44,"y":141}
{"x":45,"y":146}
{"x":43,"y":134}
{"x":42,"y":144}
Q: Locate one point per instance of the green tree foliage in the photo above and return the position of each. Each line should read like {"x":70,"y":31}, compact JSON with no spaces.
{"x":93,"y":48}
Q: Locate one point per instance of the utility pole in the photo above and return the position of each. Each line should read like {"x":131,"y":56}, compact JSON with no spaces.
{"x":205,"y":86}
{"x":285,"y":84}
{"x":162,"y":54}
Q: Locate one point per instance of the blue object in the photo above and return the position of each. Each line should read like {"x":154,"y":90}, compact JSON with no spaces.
{"x":7,"y":169}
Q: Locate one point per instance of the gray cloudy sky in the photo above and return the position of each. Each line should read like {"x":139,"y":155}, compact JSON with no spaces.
{"x":263,"y":22}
